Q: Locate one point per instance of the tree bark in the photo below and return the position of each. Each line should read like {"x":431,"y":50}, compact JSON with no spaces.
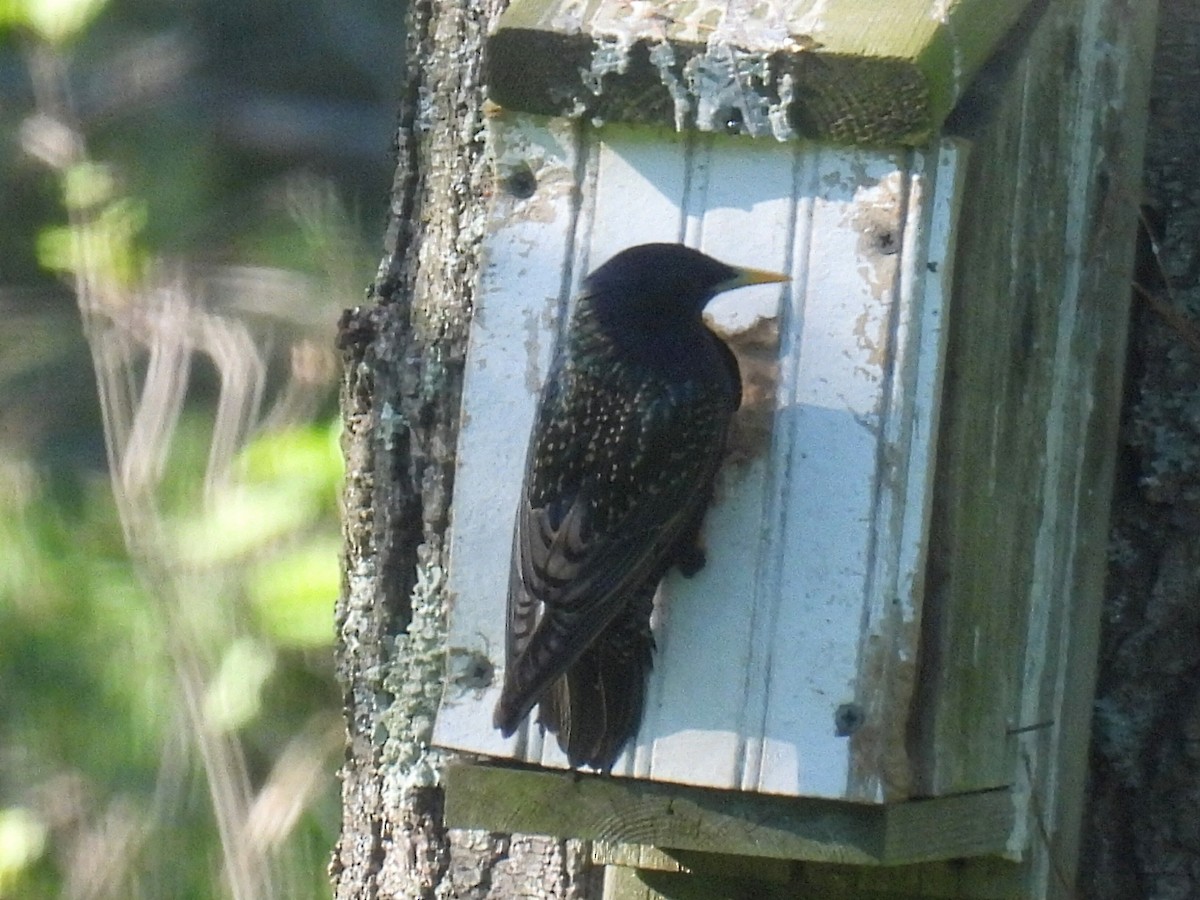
{"x":403,"y":357}
{"x":1142,"y":832}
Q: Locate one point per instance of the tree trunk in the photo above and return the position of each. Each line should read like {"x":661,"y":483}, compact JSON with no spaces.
{"x":1142,"y":834}
{"x":400,"y":398}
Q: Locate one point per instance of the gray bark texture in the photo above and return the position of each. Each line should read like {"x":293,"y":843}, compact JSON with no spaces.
{"x":1142,"y":831}
{"x":403,"y":357}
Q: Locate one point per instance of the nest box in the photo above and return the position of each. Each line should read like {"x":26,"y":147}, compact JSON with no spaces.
{"x":889,"y":656}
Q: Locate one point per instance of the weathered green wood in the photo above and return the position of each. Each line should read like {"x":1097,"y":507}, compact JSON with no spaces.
{"x":1029,"y":425}
{"x":855,"y":71}
{"x":686,"y":818}
{"x":639,"y":884}
{"x":977,"y":879}
{"x":987,"y":878}
{"x":646,"y":873}
{"x":692,"y":862}
{"x":1030,"y":409}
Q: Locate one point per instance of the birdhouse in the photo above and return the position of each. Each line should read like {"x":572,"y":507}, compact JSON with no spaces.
{"x":888,"y":658}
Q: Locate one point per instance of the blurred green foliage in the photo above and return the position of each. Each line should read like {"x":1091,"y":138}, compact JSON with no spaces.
{"x":54,"y":21}
{"x":247,"y":147}
{"x":89,"y":705}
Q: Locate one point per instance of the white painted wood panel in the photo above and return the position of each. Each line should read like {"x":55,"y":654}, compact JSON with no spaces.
{"x":828,"y":415}
{"x":512,"y":335}
{"x":693,"y":727}
{"x":816,"y":535}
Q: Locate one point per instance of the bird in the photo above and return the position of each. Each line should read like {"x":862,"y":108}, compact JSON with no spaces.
{"x":628,"y":436}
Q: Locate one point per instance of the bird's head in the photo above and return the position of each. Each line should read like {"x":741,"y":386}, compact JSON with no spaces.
{"x":667,"y":281}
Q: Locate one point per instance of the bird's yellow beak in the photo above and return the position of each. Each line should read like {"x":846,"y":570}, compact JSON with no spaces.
{"x":746,"y":277}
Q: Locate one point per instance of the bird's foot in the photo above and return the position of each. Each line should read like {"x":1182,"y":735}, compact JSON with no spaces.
{"x":691,"y":559}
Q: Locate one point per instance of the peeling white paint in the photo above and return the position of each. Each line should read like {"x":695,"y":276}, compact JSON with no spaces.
{"x":957,"y":75}
{"x":725,"y":82}
{"x":569,"y":17}
{"x":662,"y":55}
{"x":609,"y":55}
{"x":809,"y":21}
{"x":777,"y":113}
{"x":754,"y":25}
{"x":729,"y":85}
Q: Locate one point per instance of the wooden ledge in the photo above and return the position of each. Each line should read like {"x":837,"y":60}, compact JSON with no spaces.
{"x":843,"y":70}
{"x":504,"y":798}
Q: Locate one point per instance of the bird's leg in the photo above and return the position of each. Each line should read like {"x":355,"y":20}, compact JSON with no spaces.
{"x":690,"y":557}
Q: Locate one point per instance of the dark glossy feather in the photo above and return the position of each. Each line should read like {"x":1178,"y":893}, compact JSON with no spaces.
{"x":628,"y":436}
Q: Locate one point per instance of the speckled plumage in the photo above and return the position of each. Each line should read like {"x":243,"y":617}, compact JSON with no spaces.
{"x":628,"y":436}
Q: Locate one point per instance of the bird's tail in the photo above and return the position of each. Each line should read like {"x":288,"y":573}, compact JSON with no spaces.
{"x":536,"y":660}
{"x":596,"y":706}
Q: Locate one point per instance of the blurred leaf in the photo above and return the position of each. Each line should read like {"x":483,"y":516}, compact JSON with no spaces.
{"x":309,"y":455}
{"x":287,"y":482}
{"x":87,"y":185}
{"x":106,"y":245}
{"x":235,"y":696}
{"x":22,"y":841}
{"x":244,"y":520}
{"x":57,"y":21}
{"x":294,"y":594}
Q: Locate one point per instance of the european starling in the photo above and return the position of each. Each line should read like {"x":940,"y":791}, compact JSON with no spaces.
{"x":628,"y":436}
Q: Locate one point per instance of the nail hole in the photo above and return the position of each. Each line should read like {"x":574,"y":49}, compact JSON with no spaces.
{"x":732,"y":120}
{"x":848,"y":719}
{"x":520,"y":182}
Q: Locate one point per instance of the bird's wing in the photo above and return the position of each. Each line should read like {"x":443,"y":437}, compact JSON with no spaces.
{"x":596,"y":706}
{"x":598,"y":522}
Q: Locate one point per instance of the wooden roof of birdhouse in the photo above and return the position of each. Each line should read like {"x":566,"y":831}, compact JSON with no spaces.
{"x":853,"y":71}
